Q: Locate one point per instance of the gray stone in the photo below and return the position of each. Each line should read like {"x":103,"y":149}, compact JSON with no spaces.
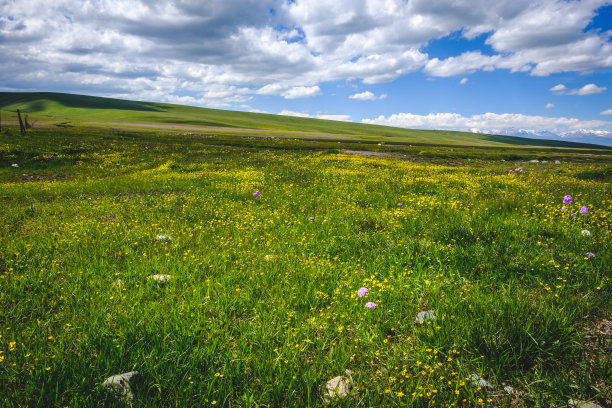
{"x":582,"y":404}
{"x":534,"y":161}
{"x":160,"y":278}
{"x":557,"y":162}
{"x":481,"y":382}
{"x":340,"y":387}
{"x":121,"y":385}
{"x":425,"y":316}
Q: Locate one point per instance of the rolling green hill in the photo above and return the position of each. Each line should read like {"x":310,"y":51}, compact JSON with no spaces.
{"x":46,"y":109}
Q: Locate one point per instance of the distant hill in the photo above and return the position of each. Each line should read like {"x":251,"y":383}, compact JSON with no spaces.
{"x":60,"y":109}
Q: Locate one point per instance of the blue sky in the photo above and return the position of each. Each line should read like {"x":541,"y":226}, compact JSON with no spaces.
{"x":540,"y":68}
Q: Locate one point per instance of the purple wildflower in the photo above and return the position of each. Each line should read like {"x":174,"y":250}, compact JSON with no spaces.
{"x":573,"y":214}
{"x":511,"y":171}
{"x":362,"y":291}
{"x":520,"y":169}
{"x":564,"y":208}
{"x":590,"y":255}
{"x":256,"y":194}
{"x":399,"y":204}
{"x":311,"y":219}
{"x":584,"y":210}
{"x":567,"y":199}
{"x":370,"y":305}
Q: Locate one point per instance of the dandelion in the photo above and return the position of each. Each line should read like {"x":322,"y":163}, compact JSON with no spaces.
{"x":585,"y":233}
{"x":567,"y":199}
{"x":362,"y":291}
{"x":370,"y":305}
{"x":590,"y":255}
{"x":584,"y":210}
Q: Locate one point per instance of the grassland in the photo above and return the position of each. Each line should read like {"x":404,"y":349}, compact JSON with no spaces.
{"x":53,"y":110}
{"x":262,"y":308}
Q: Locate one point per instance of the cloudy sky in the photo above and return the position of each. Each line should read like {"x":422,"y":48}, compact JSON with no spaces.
{"x":530,"y":67}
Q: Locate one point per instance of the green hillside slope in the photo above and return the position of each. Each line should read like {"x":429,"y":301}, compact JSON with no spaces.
{"x":58,"y":109}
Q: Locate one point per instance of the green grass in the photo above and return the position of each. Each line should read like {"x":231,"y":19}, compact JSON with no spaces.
{"x":62,"y":110}
{"x":262,"y":308}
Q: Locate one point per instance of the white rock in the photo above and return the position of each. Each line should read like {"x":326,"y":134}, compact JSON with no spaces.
{"x":163,"y":237}
{"x":14,"y":165}
{"x":481,"y":382}
{"x":425,"y":316}
{"x":509,"y":389}
{"x":534,"y":161}
{"x":557,"y":162}
{"x":339,"y":386}
{"x":582,"y":404}
{"x":121,"y":384}
{"x":585,"y":233}
{"x":160,"y":278}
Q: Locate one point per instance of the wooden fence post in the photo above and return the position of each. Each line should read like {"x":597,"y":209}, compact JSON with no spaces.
{"x":21,"y":123}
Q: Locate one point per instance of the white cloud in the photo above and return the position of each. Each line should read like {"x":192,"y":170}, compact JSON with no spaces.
{"x":606,"y":112}
{"x":367,"y":96}
{"x":463,"y":81}
{"x":302,"y":92}
{"x":588,"y":89}
{"x":487,"y":122}
{"x":550,"y":105}
{"x":558,"y":89}
{"x":226,"y":51}
{"x":342,"y":118}
{"x":286,"y":112}
{"x":467,"y":62}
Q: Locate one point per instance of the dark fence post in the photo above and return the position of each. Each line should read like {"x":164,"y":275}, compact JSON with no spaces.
{"x":21,"y":123}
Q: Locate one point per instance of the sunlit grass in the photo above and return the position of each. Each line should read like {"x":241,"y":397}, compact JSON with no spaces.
{"x":262,"y":307}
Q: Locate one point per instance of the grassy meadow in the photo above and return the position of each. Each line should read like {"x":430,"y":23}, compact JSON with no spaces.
{"x":268,"y":241}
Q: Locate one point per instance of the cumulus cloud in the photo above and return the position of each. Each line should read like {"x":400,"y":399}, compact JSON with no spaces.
{"x":606,"y":112}
{"x":286,"y":112}
{"x":487,"y":122}
{"x":343,"y":118}
{"x":302,"y":92}
{"x":550,"y":105}
{"x":588,"y":89}
{"x":367,"y":96}
{"x":243,"y":48}
{"x":463,"y":81}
